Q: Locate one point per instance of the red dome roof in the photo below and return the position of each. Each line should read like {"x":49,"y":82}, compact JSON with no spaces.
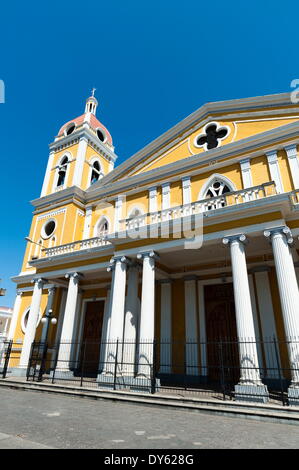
{"x":94,"y":123}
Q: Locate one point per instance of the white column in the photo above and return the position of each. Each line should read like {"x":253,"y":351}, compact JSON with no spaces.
{"x":131,"y":320}
{"x":293,"y":163}
{"x":274,"y":170}
{"x":267,"y":320}
{"x":191,"y":326}
{"x":118,"y":267}
{"x":82,"y":147}
{"x":166,"y":327}
{"x":15,"y":316}
{"x":244,"y":318}
{"x":152,"y":194}
{"x":165,"y":200}
{"x":147,"y":315}
{"x":118,"y":213}
{"x":87,"y":223}
{"x":51,"y":295}
{"x":61,"y":315}
{"x":105,"y":329}
{"x":32,"y":322}
{"x":48,"y":174}
{"x":289,"y":293}
{"x":65,"y":346}
{"x":246,"y":173}
{"x":186,"y":186}
{"x":202,"y":329}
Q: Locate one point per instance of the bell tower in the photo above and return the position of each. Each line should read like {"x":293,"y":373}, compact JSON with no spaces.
{"x":81,"y":154}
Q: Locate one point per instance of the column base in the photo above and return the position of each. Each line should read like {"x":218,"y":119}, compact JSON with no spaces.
{"x":293,"y":395}
{"x":61,"y":374}
{"x":145,"y":384}
{"x":126,"y":382}
{"x":257,"y":393}
{"x":17,"y":372}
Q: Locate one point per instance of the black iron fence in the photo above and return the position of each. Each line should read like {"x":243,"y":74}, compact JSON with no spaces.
{"x":227,"y":369}
{"x":8,"y":354}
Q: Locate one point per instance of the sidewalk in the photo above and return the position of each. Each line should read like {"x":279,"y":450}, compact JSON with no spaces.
{"x":257,"y":411}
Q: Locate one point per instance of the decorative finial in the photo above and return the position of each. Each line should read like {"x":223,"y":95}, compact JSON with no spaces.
{"x":92,"y":91}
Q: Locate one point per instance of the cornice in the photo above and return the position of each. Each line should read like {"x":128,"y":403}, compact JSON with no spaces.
{"x":83,"y":133}
{"x":68,"y":195}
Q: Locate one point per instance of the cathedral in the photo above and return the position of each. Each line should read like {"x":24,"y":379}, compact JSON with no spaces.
{"x":189,"y":244}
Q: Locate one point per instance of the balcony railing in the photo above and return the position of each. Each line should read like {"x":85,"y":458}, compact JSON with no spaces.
{"x":210,"y":204}
{"x":76,"y":246}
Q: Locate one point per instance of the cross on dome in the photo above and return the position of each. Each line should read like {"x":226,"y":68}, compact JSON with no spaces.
{"x":93,"y":91}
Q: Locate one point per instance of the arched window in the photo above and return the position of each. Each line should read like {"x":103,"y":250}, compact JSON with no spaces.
{"x":62,"y":172}
{"x":95,"y":173}
{"x":216,"y":187}
{"x":102,"y":227}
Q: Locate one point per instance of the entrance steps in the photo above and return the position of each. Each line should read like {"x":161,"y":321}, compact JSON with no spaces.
{"x":257,"y":411}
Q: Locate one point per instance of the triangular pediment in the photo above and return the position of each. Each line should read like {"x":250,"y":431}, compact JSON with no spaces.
{"x":214,"y":125}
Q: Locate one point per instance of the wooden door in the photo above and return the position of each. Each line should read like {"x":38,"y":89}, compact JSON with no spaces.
{"x":221,"y":331}
{"x":92,"y":333}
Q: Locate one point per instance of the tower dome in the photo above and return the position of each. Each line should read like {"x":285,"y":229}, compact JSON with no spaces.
{"x":89,"y":117}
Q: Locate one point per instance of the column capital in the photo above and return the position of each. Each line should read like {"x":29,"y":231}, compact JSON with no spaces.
{"x":291,"y":150}
{"x":116,"y":259}
{"x":74,"y":275}
{"x":241,"y":237}
{"x":186,"y":181}
{"x":272,"y":156}
{"x":148,"y":254}
{"x":51,"y":290}
{"x":282,"y":230}
{"x":39,"y":281}
{"x":20,"y":292}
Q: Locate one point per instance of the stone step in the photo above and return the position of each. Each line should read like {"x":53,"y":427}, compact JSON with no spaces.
{"x":266,"y":412}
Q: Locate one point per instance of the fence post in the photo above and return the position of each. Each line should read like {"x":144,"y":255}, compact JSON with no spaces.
{"x":115,"y":366}
{"x":154,"y":367}
{"x":83,"y":362}
{"x":279,"y":371}
{"x":43,"y":361}
{"x":7,"y":357}
{"x":185,"y":365}
{"x":30,"y":361}
{"x":222,"y":374}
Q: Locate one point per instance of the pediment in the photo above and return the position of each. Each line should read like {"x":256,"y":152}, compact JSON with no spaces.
{"x":214,"y":125}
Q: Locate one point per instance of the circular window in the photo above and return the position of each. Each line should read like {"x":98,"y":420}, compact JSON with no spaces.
{"x":70,"y":129}
{"x":24,"y":319}
{"x":48,"y":229}
{"x":101,"y":135}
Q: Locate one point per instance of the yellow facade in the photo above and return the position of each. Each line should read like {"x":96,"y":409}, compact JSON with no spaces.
{"x":78,"y":213}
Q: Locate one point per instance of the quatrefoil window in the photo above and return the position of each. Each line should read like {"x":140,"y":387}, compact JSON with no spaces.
{"x":212,"y":135}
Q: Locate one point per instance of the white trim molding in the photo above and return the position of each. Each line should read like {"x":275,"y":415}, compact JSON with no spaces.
{"x":186,"y":185}
{"x":246,"y":173}
{"x":47,"y":174}
{"x":153,"y":203}
{"x":292,"y":155}
{"x":82,"y":147}
{"x":274,"y":170}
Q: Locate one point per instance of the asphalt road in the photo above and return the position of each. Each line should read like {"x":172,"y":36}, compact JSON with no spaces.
{"x":39,"y":420}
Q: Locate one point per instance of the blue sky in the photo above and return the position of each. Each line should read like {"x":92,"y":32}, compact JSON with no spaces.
{"x":152,"y":62}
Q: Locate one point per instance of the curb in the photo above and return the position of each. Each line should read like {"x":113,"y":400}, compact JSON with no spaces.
{"x":273,"y":413}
